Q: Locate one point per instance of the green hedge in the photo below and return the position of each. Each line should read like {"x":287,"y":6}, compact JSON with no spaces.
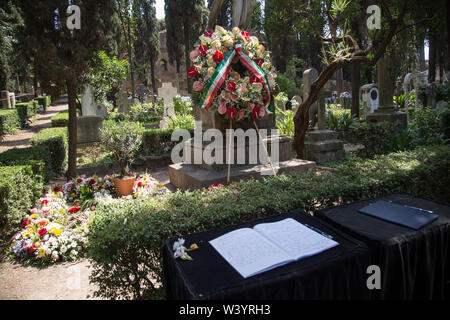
{"x":126,"y":237}
{"x":9,"y":121}
{"x":44,"y":101}
{"x":61,"y":119}
{"x":158,"y":141}
{"x":56,"y":140}
{"x":19,"y":189}
{"x":38,"y":157}
{"x":26,"y":110}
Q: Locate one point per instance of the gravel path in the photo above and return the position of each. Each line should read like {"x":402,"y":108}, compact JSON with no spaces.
{"x":21,"y":138}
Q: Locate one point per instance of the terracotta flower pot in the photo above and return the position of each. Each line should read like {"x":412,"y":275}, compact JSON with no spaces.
{"x":124,"y":186}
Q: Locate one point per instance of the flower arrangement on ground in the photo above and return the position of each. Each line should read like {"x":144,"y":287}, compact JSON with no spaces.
{"x":233,"y":74}
{"x":56,"y":229}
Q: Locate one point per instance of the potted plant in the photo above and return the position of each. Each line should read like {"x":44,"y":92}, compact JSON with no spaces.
{"x":123,"y":139}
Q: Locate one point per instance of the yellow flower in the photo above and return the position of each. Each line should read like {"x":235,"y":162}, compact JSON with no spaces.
{"x":41,"y":252}
{"x":33,"y":216}
{"x":73,"y":195}
{"x":135,"y":195}
{"x":56,"y":231}
{"x":95,"y":189}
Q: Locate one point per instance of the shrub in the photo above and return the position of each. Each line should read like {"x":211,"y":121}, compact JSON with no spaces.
{"x":378,"y":138}
{"x":426,"y":127}
{"x":19,"y":189}
{"x":44,"y":101}
{"x":285,"y":122}
{"x":284,"y":84}
{"x":123,"y":139}
{"x":9,"y":121}
{"x":339,"y":120}
{"x":182,"y":105}
{"x":56,"y":140}
{"x":146,"y":112}
{"x":61,"y":119}
{"x":37,"y":157}
{"x":126,"y":237}
{"x":25,"y":110}
{"x":181,"y":121}
{"x":158,"y":141}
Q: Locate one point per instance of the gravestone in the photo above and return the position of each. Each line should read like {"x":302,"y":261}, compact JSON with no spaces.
{"x":88,"y":107}
{"x":411,"y":77}
{"x":386,"y":111}
{"x":101,"y":111}
{"x":185,"y":175}
{"x":124,"y":102}
{"x":296,"y":101}
{"x":88,"y":129}
{"x":8,"y":99}
{"x":309,"y":76}
{"x":321,"y":145}
{"x":167,"y":92}
{"x":142,"y":93}
{"x":369,"y":96}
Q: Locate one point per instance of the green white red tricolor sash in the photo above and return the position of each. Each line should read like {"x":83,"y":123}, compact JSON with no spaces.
{"x":221,"y":72}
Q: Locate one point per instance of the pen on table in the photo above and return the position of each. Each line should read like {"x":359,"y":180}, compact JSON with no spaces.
{"x":418,"y":208}
{"x":319,"y":231}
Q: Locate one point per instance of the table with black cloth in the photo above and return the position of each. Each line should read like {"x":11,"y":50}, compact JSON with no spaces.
{"x":338,"y":273}
{"x":414,"y":264}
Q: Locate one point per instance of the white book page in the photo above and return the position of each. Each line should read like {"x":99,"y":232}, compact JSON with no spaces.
{"x":248,"y":252}
{"x":296,"y":239}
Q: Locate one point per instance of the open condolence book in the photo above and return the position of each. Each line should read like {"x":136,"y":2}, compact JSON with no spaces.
{"x":269,"y":245}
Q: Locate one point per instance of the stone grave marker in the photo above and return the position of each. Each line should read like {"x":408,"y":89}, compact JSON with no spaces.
{"x":88,"y":107}
{"x":309,"y":76}
{"x":386,"y":111}
{"x":167,"y":92}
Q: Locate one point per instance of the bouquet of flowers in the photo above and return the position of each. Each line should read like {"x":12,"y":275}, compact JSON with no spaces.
{"x":52,"y":231}
{"x":233,"y":74}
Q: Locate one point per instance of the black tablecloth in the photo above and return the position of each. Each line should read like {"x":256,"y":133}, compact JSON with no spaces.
{"x":414,"y":264}
{"x":338,"y":273}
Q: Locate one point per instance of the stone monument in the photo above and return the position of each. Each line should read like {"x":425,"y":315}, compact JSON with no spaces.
{"x":321,"y":144}
{"x":186,"y":175}
{"x":386,"y":111}
{"x":369,"y":96}
{"x":88,"y":129}
{"x":167,"y":92}
{"x":87,"y":102}
{"x":309,"y":76}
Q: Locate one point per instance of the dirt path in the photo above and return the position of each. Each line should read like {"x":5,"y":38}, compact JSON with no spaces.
{"x":21,"y":138}
{"x":67,"y":281}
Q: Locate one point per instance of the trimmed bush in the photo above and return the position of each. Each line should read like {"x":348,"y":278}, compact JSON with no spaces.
{"x":126,"y":237}
{"x":158,"y":141}
{"x":26,"y":110}
{"x":61,"y":119}
{"x":44,"y":101}
{"x":9,"y":121}
{"x":38,"y":157}
{"x":377,"y":138}
{"x":56,"y":140}
{"x":19,"y":189}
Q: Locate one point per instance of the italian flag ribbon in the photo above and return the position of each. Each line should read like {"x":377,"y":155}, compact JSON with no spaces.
{"x":221,"y":72}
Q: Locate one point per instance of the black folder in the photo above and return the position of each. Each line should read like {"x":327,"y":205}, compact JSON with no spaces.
{"x":407,"y":216}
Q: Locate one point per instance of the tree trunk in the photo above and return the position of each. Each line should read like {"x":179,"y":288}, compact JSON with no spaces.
{"x":432,"y":59}
{"x":72,"y":94}
{"x":356,"y":83}
{"x":301,"y":118}
{"x":152,"y":73}
{"x":130,"y":57}
{"x":187,"y":48}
